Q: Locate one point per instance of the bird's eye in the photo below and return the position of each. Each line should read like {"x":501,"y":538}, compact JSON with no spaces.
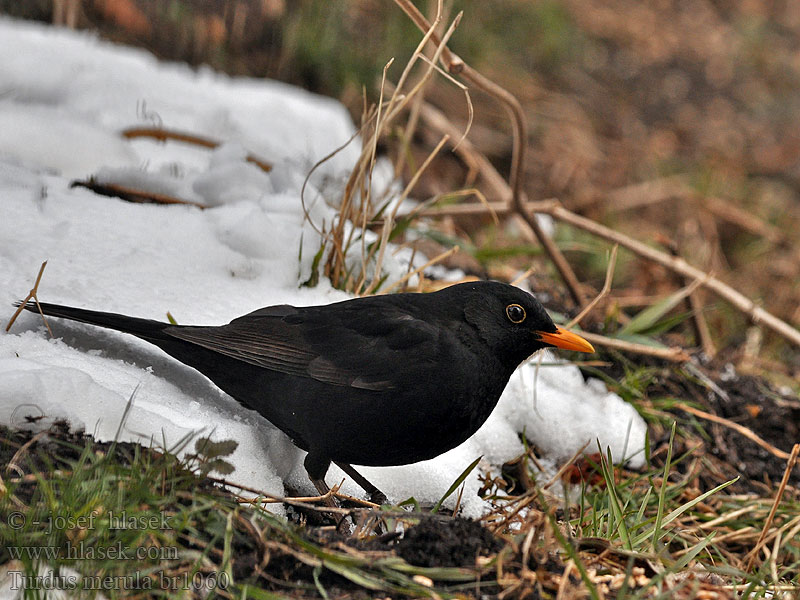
{"x":515,"y":313}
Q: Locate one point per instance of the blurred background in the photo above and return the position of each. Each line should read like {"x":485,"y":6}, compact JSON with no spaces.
{"x":676,"y":122}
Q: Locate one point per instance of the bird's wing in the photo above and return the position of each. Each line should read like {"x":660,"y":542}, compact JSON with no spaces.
{"x":358,"y":346}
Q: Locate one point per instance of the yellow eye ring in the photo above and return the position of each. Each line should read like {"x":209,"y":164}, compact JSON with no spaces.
{"x":515,"y":313}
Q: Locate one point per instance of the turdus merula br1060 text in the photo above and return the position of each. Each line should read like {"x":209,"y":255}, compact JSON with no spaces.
{"x":378,"y":381}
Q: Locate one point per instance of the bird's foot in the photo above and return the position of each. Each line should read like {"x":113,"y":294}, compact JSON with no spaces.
{"x":378,"y":497}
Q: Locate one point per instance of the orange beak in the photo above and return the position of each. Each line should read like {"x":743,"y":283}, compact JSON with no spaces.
{"x":566,"y":340}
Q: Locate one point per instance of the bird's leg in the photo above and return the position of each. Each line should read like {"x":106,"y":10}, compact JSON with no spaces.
{"x":375,"y":495}
{"x":316,"y":468}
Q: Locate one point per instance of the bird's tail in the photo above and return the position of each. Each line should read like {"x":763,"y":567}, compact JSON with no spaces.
{"x":143,"y":328}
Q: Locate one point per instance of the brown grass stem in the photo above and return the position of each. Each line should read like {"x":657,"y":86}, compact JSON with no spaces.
{"x":612,"y":263}
{"x":410,"y":274}
{"x":694,"y":305}
{"x":749,"y":434}
{"x":790,"y":463}
{"x":162,"y":135}
{"x":674,"y":354}
{"x":32,"y":294}
{"x":456,"y":66}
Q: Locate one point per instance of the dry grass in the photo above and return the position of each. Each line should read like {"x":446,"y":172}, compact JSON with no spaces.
{"x":613,"y":533}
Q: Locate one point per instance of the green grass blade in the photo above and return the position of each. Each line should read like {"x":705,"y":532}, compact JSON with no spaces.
{"x":662,"y":493}
{"x":689,"y":556}
{"x":679,"y":511}
{"x":647,"y":318}
{"x":455,"y":484}
{"x":616,"y":507}
{"x":320,"y":588}
{"x":682,"y":509}
{"x":570,"y":550}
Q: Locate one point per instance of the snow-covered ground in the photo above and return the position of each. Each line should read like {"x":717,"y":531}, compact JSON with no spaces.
{"x":64,"y":98}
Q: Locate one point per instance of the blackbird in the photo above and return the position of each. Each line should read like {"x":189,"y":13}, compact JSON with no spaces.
{"x":378,"y":381}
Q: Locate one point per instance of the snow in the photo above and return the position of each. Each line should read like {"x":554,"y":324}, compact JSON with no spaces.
{"x":64,"y":98}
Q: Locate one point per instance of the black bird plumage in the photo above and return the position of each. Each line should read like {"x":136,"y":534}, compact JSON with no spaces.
{"x":377,"y":381}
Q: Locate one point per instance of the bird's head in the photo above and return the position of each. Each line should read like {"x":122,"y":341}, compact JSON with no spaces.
{"x":513,"y":322}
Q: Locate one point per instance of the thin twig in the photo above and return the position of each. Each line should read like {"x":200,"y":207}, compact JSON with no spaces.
{"x":674,"y":354}
{"x":636,"y":195}
{"x":32,"y":294}
{"x":32,"y":477}
{"x":427,"y":208}
{"x":479,"y":208}
{"x":727,"y":211}
{"x":658,"y":190}
{"x":694,"y":305}
{"x":13,"y":463}
{"x":679,"y":265}
{"x":465,"y":89}
{"x":735,"y":426}
{"x":163,"y":135}
{"x":564,"y":580}
{"x":132,"y":194}
{"x":523,"y":276}
{"x":456,"y":66}
{"x":725,"y":517}
{"x":566,"y":465}
{"x":366,"y":198}
{"x":476,"y":160}
{"x":778,"y":497}
{"x":387,"y":226}
{"x":305,"y":501}
{"x":410,"y":274}
{"x":612,"y":263}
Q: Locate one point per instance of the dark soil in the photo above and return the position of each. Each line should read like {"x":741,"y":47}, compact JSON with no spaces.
{"x":752,"y":402}
{"x":773,"y":417}
{"x":437,"y":542}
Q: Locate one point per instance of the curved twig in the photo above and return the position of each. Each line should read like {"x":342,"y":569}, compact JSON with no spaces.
{"x":456,"y":66}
